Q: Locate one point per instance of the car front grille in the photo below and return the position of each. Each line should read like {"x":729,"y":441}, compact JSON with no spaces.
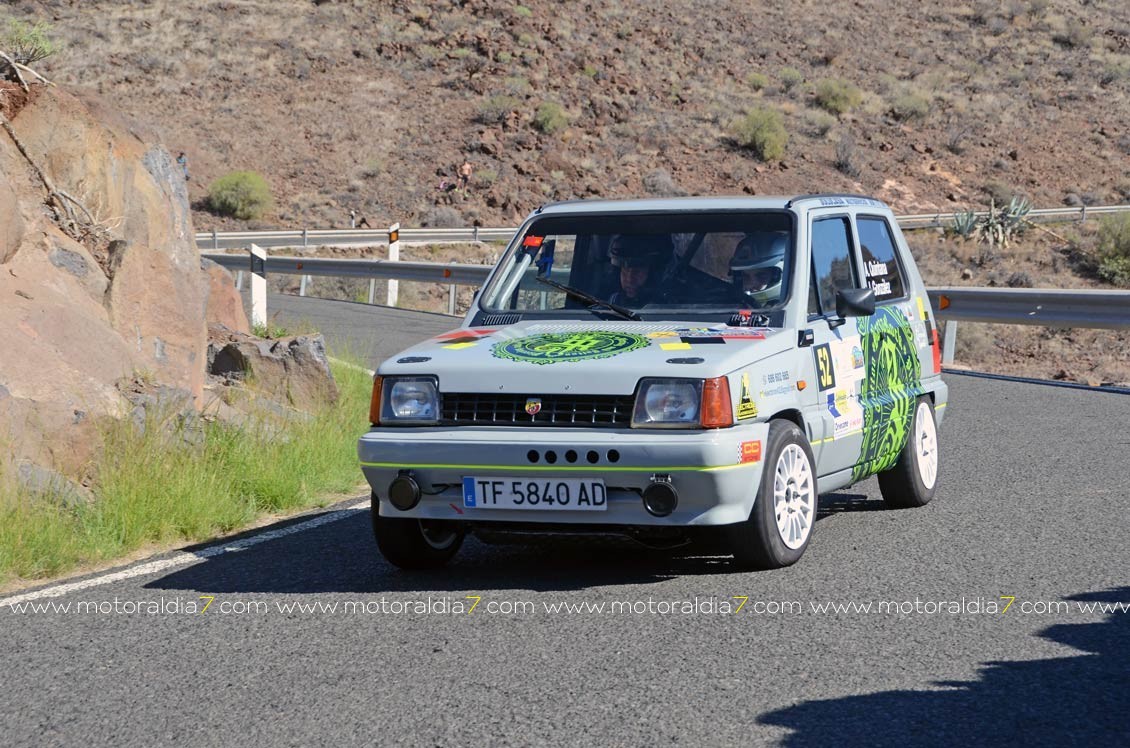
{"x":579,"y":411}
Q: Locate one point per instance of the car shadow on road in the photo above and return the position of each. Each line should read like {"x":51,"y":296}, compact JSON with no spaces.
{"x":846,"y":503}
{"x":1081,"y":699}
{"x":341,"y":556}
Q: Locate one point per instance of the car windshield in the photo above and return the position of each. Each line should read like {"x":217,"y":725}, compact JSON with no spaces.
{"x":689,"y":262}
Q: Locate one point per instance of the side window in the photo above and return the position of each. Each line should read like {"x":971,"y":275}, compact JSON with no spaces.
{"x":880,"y":261}
{"x":831,"y":260}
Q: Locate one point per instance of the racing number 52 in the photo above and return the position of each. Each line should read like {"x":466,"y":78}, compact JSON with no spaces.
{"x":825,"y":374}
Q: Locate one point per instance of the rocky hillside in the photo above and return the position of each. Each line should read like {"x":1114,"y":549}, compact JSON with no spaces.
{"x":369,"y":105}
{"x":104,"y":304}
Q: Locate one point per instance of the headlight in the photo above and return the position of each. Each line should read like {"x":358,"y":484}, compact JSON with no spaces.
{"x":683,"y":404}
{"x":410,"y":400}
{"x":671,"y":403}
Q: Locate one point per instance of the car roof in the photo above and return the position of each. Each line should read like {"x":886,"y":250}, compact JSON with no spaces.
{"x":697,"y":204}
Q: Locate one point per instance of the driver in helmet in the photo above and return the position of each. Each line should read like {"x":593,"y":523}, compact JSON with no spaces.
{"x":758,"y":265}
{"x":640,"y":259}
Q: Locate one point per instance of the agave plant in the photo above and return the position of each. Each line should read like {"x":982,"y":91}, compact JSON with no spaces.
{"x":964,"y":224}
{"x":998,"y":226}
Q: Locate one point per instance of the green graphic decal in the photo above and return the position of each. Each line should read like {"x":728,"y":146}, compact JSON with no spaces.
{"x":890,"y":389}
{"x":552,"y":348}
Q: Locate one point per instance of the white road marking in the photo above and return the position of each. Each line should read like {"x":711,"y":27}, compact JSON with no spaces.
{"x":348,"y":365}
{"x":186,"y":559}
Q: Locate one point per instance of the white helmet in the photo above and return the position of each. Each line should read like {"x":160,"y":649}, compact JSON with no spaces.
{"x":764,"y":252}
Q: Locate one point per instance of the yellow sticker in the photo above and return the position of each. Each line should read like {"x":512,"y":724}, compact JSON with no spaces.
{"x":457,"y":346}
{"x":746,"y":407}
{"x":921,"y":307}
{"x":675,"y":346}
{"x":663,"y":334}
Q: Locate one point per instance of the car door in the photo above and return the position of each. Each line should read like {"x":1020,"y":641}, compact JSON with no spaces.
{"x":894,"y":344}
{"x":836,"y":363}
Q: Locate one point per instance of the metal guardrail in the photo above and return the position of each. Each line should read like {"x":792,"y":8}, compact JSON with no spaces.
{"x":420,"y":272}
{"x":1034,"y":306}
{"x":217,"y":240}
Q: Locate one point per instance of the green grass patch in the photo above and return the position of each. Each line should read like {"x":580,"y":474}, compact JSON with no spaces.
{"x":837,"y":96}
{"x":762,"y":131}
{"x":240,"y":194}
{"x":162,"y":485}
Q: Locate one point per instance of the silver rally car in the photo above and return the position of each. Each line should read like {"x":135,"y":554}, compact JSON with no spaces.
{"x":677,"y":369}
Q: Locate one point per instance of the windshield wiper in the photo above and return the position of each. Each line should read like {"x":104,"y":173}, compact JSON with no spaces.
{"x":595,"y":304}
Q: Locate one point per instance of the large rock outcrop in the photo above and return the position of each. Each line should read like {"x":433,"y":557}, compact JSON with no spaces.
{"x":81,"y":313}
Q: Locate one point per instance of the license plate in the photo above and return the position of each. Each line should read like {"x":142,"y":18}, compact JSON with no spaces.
{"x":543,"y":494}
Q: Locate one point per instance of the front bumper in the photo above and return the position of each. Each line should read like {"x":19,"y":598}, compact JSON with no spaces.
{"x":715,"y":486}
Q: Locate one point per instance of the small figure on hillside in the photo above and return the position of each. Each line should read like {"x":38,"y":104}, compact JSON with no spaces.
{"x":182,"y":161}
{"x":465,"y":175}
{"x":352,"y":218}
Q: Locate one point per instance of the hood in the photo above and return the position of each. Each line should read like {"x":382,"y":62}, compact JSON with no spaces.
{"x":598,"y":358}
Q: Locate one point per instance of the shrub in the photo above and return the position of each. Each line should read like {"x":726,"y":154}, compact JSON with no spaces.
{"x":522,"y":11}
{"x":494,"y":110}
{"x":27,"y":43}
{"x":845,"y":161}
{"x":757,"y":81}
{"x":240,"y":194}
{"x":1114,"y":72}
{"x":910,"y":106}
{"x":790,"y":78}
{"x":837,"y":95}
{"x":819,"y":122}
{"x":1114,"y":249}
{"x":1074,"y":36}
{"x":442,"y":217}
{"x":550,"y":118}
{"x":763,"y":132}
{"x":659,"y":182}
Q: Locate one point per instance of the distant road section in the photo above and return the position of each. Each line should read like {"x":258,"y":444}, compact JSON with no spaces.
{"x":369,"y":332}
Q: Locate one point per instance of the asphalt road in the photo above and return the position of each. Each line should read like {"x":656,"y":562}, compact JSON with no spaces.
{"x":366,"y":332}
{"x":1031,"y":506}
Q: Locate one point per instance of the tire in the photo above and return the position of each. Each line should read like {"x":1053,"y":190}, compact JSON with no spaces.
{"x":411,"y":543}
{"x":783,"y":517}
{"x":914,"y":478}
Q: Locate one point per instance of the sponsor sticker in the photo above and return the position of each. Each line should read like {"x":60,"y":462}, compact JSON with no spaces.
{"x":750,"y":452}
{"x":552,"y":348}
{"x":775,"y":378}
{"x":839,"y":363}
{"x":462,"y":335}
{"x":847,"y":415}
{"x":746,"y":406}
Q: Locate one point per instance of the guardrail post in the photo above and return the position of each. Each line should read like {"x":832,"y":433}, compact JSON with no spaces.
{"x":949,"y":342}
{"x":258,"y":285}
{"x":305,"y":241}
{"x":1083,"y":214}
{"x":239,"y":280}
{"x":451,"y":299}
{"x":302,"y":285}
{"x":215,"y":241}
{"x":393,"y":256}
{"x":475,"y":233}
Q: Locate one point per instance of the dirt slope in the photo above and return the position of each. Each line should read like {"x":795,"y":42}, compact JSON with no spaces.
{"x":358,"y":104}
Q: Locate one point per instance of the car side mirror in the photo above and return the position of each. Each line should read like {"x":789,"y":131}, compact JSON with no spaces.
{"x":855,"y":302}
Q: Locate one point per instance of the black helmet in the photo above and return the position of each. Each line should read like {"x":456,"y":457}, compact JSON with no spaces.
{"x":639,"y":250}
